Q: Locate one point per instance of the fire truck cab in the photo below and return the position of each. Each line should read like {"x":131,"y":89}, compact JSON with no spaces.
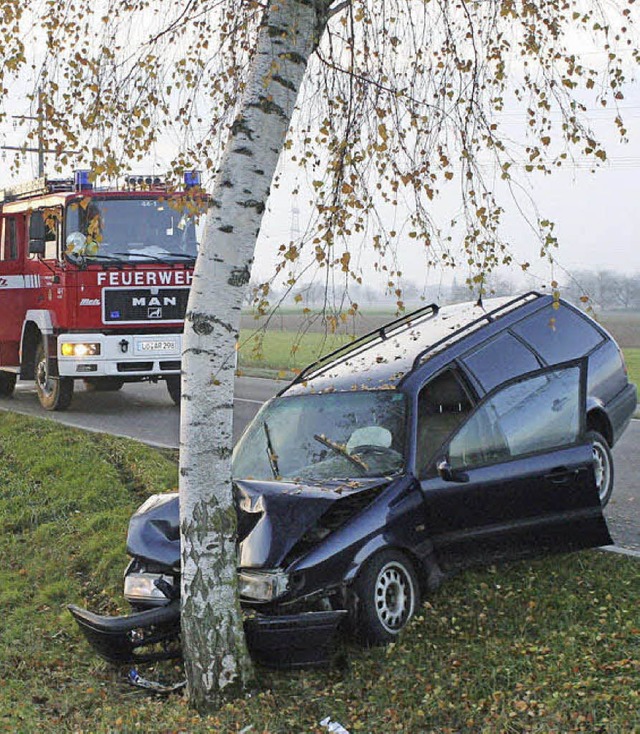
{"x":94,"y":283}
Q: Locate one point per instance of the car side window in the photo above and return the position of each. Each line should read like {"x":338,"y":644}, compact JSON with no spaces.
{"x":538,"y":413}
{"x":499,"y":360}
{"x":559,"y":334}
{"x":49,"y":218}
{"x":443,"y":404}
{"x":10,"y":249}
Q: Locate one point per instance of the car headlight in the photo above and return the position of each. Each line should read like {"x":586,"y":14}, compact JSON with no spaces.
{"x":262,"y":585}
{"x":79,"y":349}
{"x":142,"y":587}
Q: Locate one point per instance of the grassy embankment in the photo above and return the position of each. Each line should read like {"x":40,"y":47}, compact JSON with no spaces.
{"x":545,"y":646}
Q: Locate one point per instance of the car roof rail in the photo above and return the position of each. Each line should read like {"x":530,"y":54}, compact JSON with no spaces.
{"x":489,"y":316}
{"x":376,"y":335}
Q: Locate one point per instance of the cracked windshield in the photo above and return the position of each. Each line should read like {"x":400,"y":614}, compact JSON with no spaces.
{"x":132,"y":230}
{"x":327,"y":436}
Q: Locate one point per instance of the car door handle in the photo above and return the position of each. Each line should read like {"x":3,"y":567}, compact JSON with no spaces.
{"x":561,"y":475}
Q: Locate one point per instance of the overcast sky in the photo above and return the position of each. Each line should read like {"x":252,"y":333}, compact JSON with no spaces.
{"x":597,"y":215}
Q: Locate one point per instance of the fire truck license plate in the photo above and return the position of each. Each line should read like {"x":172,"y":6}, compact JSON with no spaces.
{"x":156,"y":346}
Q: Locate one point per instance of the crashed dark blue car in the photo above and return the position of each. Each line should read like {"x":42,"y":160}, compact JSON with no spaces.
{"x":451,"y":436}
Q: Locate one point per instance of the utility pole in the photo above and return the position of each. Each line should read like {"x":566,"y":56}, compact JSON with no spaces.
{"x":40,"y":150}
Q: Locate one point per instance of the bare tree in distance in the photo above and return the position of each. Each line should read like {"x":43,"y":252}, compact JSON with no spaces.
{"x":378,"y":107}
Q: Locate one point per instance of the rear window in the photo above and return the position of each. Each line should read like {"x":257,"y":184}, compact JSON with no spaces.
{"x":559,"y":335}
{"x":500,"y":360}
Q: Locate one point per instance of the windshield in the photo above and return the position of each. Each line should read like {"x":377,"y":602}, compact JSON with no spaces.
{"x":342,"y":435}
{"x":144,"y":230}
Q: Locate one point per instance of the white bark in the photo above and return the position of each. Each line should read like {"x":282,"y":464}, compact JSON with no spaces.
{"x":212,"y":636}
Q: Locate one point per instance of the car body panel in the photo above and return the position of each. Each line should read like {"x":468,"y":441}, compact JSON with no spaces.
{"x":527,"y":506}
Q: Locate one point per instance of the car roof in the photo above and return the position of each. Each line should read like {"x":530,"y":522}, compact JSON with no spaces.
{"x":382,"y":358}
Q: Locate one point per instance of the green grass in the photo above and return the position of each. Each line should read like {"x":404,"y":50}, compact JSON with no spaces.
{"x":284,"y":352}
{"x":632,"y":358}
{"x":544,"y":646}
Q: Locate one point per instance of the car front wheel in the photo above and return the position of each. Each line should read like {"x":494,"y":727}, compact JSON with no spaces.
{"x":603,"y":466}
{"x":54,"y":393}
{"x":388,"y":595}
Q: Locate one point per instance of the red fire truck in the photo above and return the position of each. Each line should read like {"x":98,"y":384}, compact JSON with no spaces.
{"x":94,"y":283}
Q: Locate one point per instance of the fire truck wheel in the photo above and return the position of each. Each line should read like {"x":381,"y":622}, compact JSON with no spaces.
{"x":173,"y":386}
{"x":54,"y":393}
{"x":103,"y":384}
{"x":7,"y":384}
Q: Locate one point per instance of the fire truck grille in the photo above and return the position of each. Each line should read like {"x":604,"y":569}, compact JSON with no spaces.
{"x":127,"y":305}
{"x":135,"y":366}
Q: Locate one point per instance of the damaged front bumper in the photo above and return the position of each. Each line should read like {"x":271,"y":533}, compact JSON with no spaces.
{"x":288,"y":641}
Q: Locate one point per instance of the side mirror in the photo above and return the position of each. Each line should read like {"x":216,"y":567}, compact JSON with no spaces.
{"x":450,"y":475}
{"x":36,"y":246}
{"x":37,"y":234}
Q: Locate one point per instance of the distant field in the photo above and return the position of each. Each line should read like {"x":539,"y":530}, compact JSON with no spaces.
{"x":285,"y":350}
{"x":623,"y":325}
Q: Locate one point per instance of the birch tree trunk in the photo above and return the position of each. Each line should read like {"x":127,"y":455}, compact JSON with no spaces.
{"x":217,"y":664}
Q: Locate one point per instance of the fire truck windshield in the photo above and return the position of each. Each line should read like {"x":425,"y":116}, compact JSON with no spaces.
{"x":131,"y":229}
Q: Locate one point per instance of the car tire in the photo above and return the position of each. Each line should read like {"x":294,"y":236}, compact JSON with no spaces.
{"x":54,"y":393}
{"x":388,"y":595}
{"x":603,"y":465}
{"x":103,"y":384}
{"x":175,"y":388}
{"x":7,"y":384}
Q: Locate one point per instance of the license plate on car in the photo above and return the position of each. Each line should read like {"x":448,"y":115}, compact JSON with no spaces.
{"x":156,"y":346}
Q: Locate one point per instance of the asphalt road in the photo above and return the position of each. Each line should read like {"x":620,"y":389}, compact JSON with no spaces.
{"x":145,"y":412}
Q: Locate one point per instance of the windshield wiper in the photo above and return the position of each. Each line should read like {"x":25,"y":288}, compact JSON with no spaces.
{"x":340,"y":449}
{"x":182,"y":255}
{"x":271,"y":454}
{"x":83,"y":260}
{"x":155,"y":258}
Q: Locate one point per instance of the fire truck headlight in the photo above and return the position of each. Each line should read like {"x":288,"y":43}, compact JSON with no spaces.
{"x":75,"y":349}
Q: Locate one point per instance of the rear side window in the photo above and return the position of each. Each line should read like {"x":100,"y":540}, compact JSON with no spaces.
{"x":559,"y":335}
{"x":500,"y":360}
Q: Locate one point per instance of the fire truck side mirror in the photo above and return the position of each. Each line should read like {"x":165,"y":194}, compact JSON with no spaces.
{"x":36,"y":234}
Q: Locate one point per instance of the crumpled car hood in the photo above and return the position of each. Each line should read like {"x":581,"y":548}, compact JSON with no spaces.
{"x":272,"y":517}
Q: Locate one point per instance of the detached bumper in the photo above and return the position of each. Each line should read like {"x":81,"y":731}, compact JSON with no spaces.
{"x":289,"y":641}
{"x":142,"y":637}
{"x":294,"y":640}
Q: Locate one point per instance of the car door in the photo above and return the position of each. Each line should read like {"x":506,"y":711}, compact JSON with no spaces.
{"x":517,"y":477}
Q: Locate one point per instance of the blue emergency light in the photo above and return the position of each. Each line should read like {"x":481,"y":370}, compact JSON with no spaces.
{"x":192,"y":178}
{"x":81,"y":181}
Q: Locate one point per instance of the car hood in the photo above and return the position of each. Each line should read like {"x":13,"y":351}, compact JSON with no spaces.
{"x":272,"y":518}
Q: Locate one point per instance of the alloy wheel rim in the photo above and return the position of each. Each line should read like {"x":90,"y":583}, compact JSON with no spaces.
{"x":393,"y":597}
{"x":602,"y":470}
